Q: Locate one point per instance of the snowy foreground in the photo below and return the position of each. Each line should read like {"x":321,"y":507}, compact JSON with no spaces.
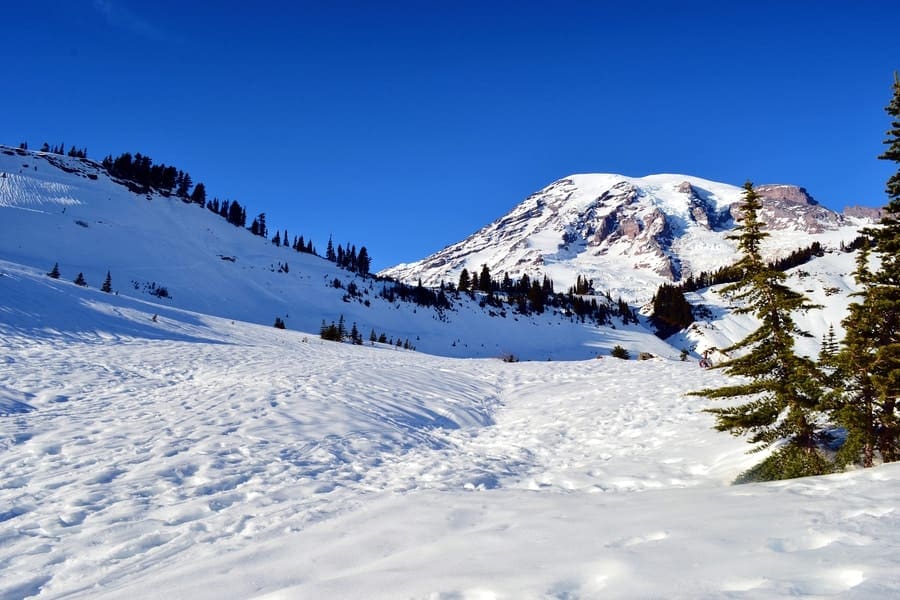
{"x":197,"y":457}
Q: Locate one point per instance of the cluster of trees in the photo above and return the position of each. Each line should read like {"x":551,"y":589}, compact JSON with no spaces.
{"x":80,"y":280}
{"x":671,"y":311}
{"x":732,"y":274}
{"x":230,"y":210}
{"x":139,"y":169}
{"x":418,"y":294}
{"x":337,"y":332}
{"x":526,"y":294}
{"x":792,"y":402}
{"x":348,"y":258}
{"x":61,"y":150}
{"x":529,"y":295}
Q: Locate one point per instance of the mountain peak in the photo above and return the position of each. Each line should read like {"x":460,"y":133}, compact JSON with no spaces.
{"x":629,"y":234}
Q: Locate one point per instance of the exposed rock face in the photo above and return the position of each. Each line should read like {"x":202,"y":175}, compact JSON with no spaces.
{"x":791,"y":207}
{"x":786,"y":194}
{"x":863,"y":212}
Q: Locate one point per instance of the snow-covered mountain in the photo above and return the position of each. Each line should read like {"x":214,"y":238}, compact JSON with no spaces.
{"x":629,"y":234}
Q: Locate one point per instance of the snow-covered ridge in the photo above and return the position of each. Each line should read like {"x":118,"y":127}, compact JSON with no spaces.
{"x":629,"y":234}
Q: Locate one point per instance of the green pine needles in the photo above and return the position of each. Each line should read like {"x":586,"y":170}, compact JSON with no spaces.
{"x":855,"y":386}
{"x":782,"y":391}
{"x":868,"y":364}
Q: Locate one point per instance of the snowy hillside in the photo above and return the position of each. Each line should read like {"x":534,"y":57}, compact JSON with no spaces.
{"x":67,"y":210}
{"x":200,"y":457}
{"x":827,"y":281}
{"x":629,"y":234}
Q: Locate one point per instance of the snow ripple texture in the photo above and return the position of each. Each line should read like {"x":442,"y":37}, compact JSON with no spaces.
{"x":196,"y":457}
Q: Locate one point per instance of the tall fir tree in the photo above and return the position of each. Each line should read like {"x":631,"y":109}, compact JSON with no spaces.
{"x":869,"y":361}
{"x":783,"y":391}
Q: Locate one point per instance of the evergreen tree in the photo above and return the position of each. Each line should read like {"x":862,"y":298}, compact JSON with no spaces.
{"x":329,"y":251}
{"x":463,"y":285}
{"x":184,"y":185}
{"x":671,"y":311}
{"x":198,"y":196}
{"x":237,"y":216}
{"x":80,"y":280}
{"x":363,"y":262}
{"x":277,"y":239}
{"x":54,"y":272}
{"x":869,"y":360}
{"x":829,"y":350}
{"x":783,"y":388}
{"x":107,"y":284}
{"x":484,"y":282}
{"x":342,"y":329}
{"x":279,"y":323}
{"x":620,"y":352}
{"x":263,"y":230}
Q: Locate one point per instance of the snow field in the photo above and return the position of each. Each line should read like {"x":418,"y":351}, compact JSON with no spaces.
{"x":196,"y":457}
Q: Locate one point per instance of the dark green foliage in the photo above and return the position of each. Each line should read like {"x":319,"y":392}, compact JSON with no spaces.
{"x":363,"y":262}
{"x":785,"y":463}
{"x":868,"y":365}
{"x":783,"y":391}
{"x":330,"y":332}
{"x":107,"y":284}
{"x":198,"y":196}
{"x":54,"y":272}
{"x":620,"y":352}
{"x":485,"y":284}
{"x":582,"y":287}
{"x":279,"y":323}
{"x":671,"y":312}
{"x":829,"y":350}
{"x":80,"y":280}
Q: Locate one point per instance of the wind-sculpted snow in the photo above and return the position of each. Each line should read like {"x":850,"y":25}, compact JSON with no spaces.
{"x":198,"y":457}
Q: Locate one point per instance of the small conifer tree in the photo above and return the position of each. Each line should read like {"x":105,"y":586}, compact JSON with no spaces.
{"x":620,"y":352}
{"x":80,"y":280}
{"x":54,"y":272}
{"x":107,"y":284}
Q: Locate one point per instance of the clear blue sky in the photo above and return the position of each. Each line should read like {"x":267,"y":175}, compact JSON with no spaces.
{"x":405,"y":126}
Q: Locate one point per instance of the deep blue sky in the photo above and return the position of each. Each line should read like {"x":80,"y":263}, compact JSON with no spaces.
{"x":405,"y":126}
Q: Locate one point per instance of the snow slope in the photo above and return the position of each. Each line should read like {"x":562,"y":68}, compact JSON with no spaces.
{"x":67,"y":210}
{"x":200,"y":457}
